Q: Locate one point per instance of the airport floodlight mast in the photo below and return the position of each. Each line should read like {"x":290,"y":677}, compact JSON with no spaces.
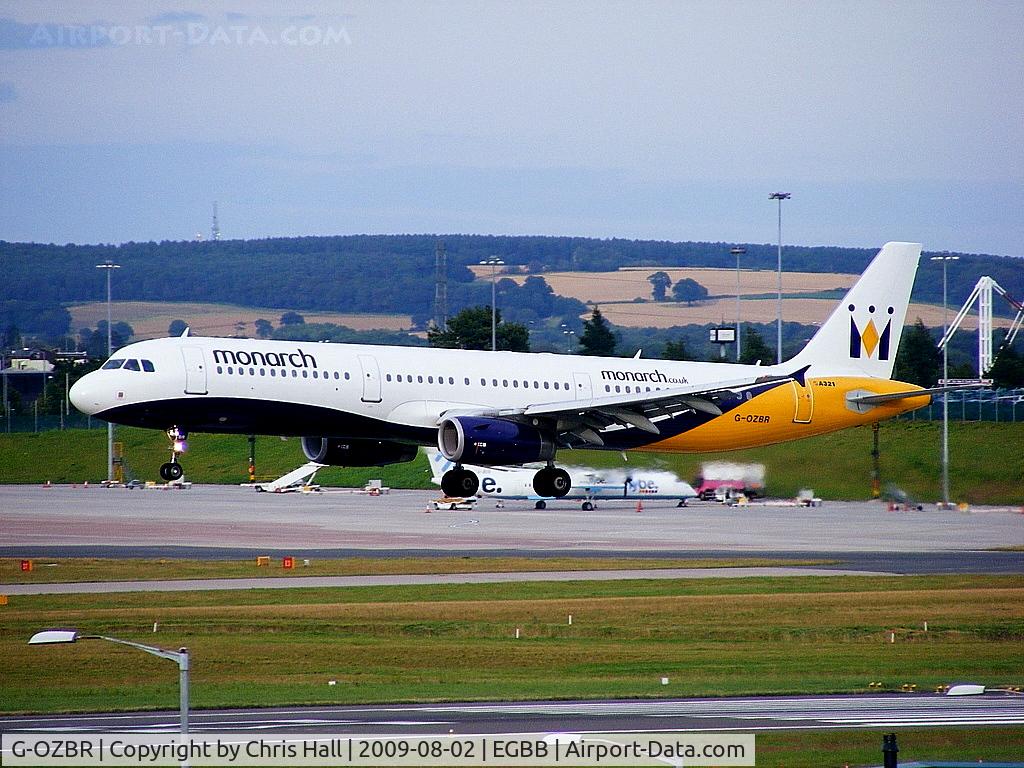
{"x":737,"y":252}
{"x":109,"y":266}
{"x":780,"y":196}
{"x":494,"y":262}
{"x":53,"y":636}
{"x":945,"y":259}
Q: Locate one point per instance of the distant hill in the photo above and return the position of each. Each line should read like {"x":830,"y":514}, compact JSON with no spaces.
{"x":394,"y":273}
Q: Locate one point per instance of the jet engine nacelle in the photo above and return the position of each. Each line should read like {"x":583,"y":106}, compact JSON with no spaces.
{"x":477,"y":440}
{"x":356,"y":453}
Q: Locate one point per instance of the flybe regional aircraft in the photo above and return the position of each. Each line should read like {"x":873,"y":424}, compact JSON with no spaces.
{"x":588,"y":485}
{"x":364,"y":405}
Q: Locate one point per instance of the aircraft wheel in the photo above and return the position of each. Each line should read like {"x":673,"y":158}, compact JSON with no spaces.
{"x":459,"y":482}
{"x":587,"y":506}
{"x":171,"y":471}
{"x":552,"y":482}
{"x":542,"y":482}
{"x":541,"y":505}
{"x":560,"y":483}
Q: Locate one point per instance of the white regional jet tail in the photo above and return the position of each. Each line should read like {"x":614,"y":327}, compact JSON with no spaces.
{"x":862,"y":335}
{"x":438,"y":464}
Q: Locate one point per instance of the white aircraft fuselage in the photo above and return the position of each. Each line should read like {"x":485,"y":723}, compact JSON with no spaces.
{"x":491,"y":408}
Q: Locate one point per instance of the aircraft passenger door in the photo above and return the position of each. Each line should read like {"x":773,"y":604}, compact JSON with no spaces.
{"x":582,"y":385}
{"x":371,"y":378}
{"x":195,"y":370}
{"x":804,"y":398}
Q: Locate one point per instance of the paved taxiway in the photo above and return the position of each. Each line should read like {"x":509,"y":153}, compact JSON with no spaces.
{"x":732,"y":714}
{"x":189,"y":585}
{"x":236,"y":517}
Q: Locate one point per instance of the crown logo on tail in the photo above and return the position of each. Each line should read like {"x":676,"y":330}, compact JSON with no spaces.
{"x":866,"y":342}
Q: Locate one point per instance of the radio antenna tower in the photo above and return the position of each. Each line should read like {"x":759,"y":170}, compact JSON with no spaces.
{"x":440,"y":287}
{"x":215,"y":229}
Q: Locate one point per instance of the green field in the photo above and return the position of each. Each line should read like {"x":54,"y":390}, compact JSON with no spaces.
{"x":836,"y":466}
{"x":821,"y":749}
{"x":423,"y":643}
{"x":710,"y":637}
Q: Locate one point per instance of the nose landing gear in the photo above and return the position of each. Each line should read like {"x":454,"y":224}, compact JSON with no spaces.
{"x":172,"y":470}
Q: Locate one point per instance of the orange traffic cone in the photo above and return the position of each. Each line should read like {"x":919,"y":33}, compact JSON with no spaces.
{"x":639,"y":506}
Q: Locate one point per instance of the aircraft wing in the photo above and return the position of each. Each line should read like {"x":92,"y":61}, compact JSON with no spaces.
{"x":581,"y":421}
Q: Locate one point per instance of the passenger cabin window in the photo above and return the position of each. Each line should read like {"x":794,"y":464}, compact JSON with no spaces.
{"x":132,"y":365}
{"x":110,"y":365}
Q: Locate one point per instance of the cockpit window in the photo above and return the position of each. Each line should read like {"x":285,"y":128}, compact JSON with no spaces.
{"x":112,"y":364}
{"x":132,"y":365}
{"x":147,"y":366}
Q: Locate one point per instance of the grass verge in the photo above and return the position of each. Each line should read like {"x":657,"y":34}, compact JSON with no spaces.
{"x":909,"y":456}
{"x":457,"y":642}
{"x":835,"y":749}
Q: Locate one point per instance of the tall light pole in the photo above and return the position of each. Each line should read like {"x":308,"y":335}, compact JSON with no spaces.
{"x":494,"y":262}
{"x":51,"y":636}
{"x":568,"y":341}
{"x":737,"y":252}
{"x":945,"y":259}
{"x":109,"y":266}
{"x":780,"y":196}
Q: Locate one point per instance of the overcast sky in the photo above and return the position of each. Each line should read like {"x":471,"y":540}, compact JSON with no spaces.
{"x":674,"y":120}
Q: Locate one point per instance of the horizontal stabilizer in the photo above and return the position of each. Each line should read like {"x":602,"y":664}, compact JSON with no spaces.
{"x":890,"y":396}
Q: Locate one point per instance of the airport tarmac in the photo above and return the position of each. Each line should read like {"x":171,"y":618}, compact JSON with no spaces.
{"x":64,"y":517}
{"x":744,"y":714}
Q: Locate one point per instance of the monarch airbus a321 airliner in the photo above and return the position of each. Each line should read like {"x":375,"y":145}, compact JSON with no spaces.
{"x":362,"y":405}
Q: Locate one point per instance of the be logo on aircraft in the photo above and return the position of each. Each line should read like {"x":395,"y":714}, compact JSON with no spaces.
{"x":642,"y":486}
{"x":866,"y":341}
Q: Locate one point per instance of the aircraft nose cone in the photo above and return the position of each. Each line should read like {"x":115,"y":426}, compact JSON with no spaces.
{"x":85,"y":394}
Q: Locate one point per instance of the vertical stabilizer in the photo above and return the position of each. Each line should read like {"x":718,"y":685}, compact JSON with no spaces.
{"x":438,"y":464}
{"x":861,"y":336}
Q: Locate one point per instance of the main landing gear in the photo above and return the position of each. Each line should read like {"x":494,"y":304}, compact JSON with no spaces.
{"x":172,"y":471}
{"x":552,"y":481}
{"x":459,"y":482}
